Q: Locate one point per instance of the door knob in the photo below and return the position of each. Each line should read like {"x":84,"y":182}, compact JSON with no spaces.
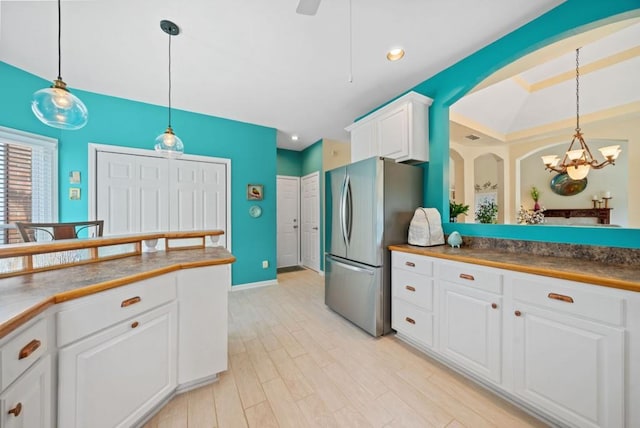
{"x":295,"y":226}
{"x":314,"y":228}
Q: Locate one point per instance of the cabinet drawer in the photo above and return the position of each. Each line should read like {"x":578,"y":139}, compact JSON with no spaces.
{"x":572,"y":298}
{"x":20,"y":352}
{"x":471,"y":275}
{"x":93,"y":313}
{"x":413,"y":322}
{"x":413,"y":288}
{"x":412,"y":262}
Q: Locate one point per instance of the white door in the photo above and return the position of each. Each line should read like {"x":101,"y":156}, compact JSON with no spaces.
{"x":570,"y":367}
{"x":137,"y":191}
{"x":288,"y":190}
{"x":310,"y":221}
{"x":131,"y":193}
{"x":197,"y":196}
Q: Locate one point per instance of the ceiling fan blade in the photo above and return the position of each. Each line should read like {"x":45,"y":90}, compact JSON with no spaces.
{"x":307,"y":7}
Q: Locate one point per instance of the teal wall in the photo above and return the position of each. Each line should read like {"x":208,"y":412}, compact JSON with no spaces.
{"x":116,"y":121}
{"x":289,"y":163}
{"x":446,"y":87}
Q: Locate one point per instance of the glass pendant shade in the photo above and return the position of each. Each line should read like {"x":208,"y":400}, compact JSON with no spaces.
{"x":169,"y":144}
{"x":551,"y":160}
{"x":59,"y":108}
{"x":578,"y":172}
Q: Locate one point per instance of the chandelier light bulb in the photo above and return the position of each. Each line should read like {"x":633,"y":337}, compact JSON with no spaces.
{"x":578,"y":172}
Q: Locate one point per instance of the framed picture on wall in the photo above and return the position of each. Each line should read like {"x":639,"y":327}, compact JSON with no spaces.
{"x":255,"y":192}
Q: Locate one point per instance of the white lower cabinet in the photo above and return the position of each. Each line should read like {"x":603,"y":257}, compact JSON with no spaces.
{"x":202,"y":323}
{"x":569,"y":367}
{"x":114,"y":377}
{"x":27,"y":402}
{"x":566,"y":350}
{"x":471,"y":329}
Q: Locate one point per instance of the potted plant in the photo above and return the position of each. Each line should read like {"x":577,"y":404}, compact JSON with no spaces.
{"x":535,"y":195}
{"x":455,"y":210}
{"x":487,"y":212}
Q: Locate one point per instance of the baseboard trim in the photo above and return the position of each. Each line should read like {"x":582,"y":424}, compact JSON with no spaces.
{"x":249,"y":285}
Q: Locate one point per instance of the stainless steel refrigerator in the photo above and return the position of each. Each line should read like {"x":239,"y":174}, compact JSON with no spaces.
{"x":369,"y":205}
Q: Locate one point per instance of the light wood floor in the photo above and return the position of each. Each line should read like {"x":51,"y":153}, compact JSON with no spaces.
{"x":295,"y":363}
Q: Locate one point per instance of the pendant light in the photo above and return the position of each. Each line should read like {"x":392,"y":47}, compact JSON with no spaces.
{"x":578,"y":162}
{"x":56,"y":106}
{"x":168,"y":143}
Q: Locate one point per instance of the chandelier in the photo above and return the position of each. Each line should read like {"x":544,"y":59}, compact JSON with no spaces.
{"x":578,"y":161}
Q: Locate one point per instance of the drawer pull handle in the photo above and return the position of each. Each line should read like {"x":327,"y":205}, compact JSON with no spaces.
{"x":410,"y":320}
{"x":29,"y":349}
{"x":518,"y":313}
{"x":467,"y":276}
{"x":135,"y":324}
{"x":410,"y":264}
{"x":494,"y":305}
{"x":410,"y":288}
{"x":561,"y":297}
{"x":16,"y":410}
{"x":131,"y":301}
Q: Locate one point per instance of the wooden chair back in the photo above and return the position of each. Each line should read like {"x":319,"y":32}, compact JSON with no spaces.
{"x":28,"y":231}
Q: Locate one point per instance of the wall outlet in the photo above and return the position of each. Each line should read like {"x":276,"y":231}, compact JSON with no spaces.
{"x":265,"y":264}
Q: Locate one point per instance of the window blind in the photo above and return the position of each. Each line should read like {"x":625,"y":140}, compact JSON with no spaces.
{"x":28,"y":181}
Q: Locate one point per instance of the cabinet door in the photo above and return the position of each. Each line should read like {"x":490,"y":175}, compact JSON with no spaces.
{"x":393,"y":133}
{"x":28,"y":399}
{"x":569,"y":367}
{"x":114,"y":377}
{"x":471,"y":329}
{"x":363,"y":141}
{"x":202,"y":322}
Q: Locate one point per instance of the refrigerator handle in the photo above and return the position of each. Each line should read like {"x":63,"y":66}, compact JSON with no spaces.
{"x":349,"y":222}
{"x":350,"y":267}
{"x":343,"y":210}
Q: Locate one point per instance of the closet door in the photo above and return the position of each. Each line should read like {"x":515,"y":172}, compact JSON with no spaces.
{"x":197,"y":196}
{"x":132,"y":193}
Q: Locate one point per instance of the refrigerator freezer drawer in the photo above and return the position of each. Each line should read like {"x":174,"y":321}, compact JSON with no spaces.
{"x":355,"y":291}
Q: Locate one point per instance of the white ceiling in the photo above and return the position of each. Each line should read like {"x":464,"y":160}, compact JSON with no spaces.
{"x":609,"y":70}
{"x":256,"y":61}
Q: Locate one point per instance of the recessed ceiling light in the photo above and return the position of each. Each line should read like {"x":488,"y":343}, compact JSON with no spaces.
{"x":294,"y":138}
{"x":395,"y":54}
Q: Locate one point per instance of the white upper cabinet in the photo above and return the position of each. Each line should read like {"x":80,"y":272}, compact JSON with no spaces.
{"x":399,"y":130}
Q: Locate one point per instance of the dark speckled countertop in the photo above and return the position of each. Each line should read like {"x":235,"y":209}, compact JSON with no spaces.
{"x":23,"y":297}
{"x":625,"y":277}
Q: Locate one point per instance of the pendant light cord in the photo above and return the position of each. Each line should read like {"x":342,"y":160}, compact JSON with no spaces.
{"x":350,"y":43}
{"x":577,"y":90}
{"x":59,"y":37}
{"x":169,"y":80}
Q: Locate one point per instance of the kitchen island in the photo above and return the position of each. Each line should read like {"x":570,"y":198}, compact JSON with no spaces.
{"x":559,"y":336}
{"x":96,"y":332}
